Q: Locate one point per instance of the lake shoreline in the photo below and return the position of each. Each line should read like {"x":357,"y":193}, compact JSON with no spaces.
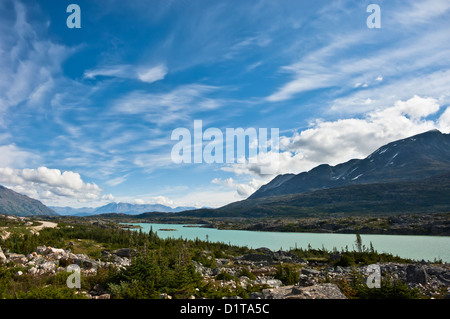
{"x":436,"y":224}
{"x":415,"y":247}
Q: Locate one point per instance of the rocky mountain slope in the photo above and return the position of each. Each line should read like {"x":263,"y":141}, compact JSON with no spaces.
{"x":12,"y":203}
{"x":410,"y":159}
{"x":429,"y":195}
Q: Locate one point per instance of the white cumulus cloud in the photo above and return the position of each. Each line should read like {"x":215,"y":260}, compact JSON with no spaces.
{"x":153,"y":74}
{"x":49,"y":184}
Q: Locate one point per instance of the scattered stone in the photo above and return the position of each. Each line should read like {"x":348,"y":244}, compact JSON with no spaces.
{"x":256,"y":295}
{"x":416,"y":274}
{"x":255,"y":258}
{"x":221,"y":262}
{"x":277,"y":293}
{"x":47,"y":267}
{"x":305,"y":280}
{"x":310,"y":272}
{"x":205,"y":271}
{"x":265,"y":256}
{"x":41,"y":250}
{"x":33,"y":271}
{"x":275,"y":283}
{"x":447,"y":295}
{"x":125,"y":252}
{"x":55,"y":251}
{"x":320,"y":291}
{"x":17,"y":258}
{"x":104,"y":296}
{"x":2,"y":256}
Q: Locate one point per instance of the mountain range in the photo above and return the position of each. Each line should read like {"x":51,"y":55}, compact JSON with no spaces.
{"x":13,"y":203}
{"x":120,"y":208}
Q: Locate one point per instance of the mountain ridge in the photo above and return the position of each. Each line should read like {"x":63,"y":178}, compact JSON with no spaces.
{"x":13,"y":203}
{"x":429,"y":195}
{"x":412,"y":158}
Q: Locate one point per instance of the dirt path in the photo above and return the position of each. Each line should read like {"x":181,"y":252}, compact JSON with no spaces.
{"x":44,"y":225}
{"x":36,"y":229}
{"x":4,"y":233}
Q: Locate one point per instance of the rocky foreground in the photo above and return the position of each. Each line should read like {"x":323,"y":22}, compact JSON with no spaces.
{"x":49,"y":260}
{"x":315,"y":281}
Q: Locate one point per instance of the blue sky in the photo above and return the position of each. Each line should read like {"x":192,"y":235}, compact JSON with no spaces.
{"x":86,"y":115}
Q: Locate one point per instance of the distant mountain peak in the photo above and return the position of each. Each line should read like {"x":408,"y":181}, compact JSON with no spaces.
{"x":120,"y":208}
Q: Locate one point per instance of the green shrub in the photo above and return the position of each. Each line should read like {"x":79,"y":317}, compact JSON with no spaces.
{"x":388,"y":290}
{"x":287,"y":275}
{"x":247,"y":273}
{"x":49,"y":292}
{"x":224,"y":276}
{"x":345,"y":261}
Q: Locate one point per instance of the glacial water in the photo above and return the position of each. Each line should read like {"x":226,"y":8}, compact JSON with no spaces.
{"x":427,"y":248}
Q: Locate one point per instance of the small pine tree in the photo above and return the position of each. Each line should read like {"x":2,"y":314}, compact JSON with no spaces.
{"x":358,"y":242}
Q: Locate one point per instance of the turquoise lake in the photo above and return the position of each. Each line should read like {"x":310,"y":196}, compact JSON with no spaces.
{"x":428,"y":248}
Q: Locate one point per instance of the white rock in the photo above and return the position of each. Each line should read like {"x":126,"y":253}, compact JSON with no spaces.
{"x":2,"y":256}
{"x":33,"y":271}
{"x":51,"y":250}
{"x":41,"y":250}
{"x":47,"y":267}
{"x":275,"y":283}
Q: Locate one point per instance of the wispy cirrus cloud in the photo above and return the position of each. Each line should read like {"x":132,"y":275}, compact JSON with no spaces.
{"x":420,"y":12}
{"x":14,"y":156}
{"x":176,"y":105}
{"x":315,"y":70}
{"x":392,"y":53}
{"x":29,"y":63}
{"x":127,"y":71}
{"x":329,"y":67}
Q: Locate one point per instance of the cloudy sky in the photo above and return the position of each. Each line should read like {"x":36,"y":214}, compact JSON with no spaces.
{"x":86,"y":115}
